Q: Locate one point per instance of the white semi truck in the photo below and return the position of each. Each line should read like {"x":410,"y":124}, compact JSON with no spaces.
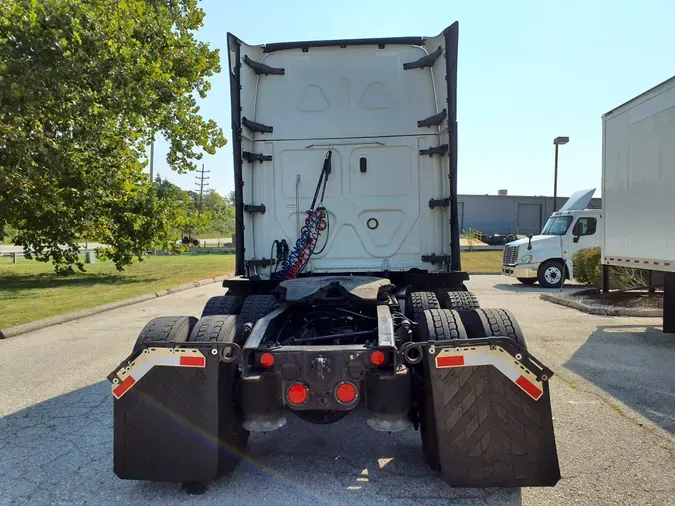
{"x":547,"y":257}
{"x":638,"y":189}
{"x":348,"y":291}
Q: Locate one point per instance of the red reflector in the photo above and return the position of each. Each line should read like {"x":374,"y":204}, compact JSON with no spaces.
{"x":450,"y":361}
{"x":297,"y":393}
{"x":529,"y":387}
{"x":193,"y":361}
{"x":267,"y":359}
{"x":121,"y":389}
{"x":377,"y":357}
{"x":346,"y":393}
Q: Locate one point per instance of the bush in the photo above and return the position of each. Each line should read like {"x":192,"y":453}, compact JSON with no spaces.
{"x":588,"y":269}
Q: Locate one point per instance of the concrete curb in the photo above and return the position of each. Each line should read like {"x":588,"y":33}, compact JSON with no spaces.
{"x":56,"y":320}
{"x":580,"y":306}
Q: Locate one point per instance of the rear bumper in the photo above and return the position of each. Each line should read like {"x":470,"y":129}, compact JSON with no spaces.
{"x":385,"y":391}
{"x":521,"y":270}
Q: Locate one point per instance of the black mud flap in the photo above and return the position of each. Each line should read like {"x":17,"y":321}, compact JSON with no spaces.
{"x":166,"y":423}
{"x":491,"y":431}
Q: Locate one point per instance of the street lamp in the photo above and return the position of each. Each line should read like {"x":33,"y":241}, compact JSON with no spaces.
{"x":557,"y":142}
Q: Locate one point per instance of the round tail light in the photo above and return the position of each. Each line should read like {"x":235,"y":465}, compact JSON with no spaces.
{"x":377,"y":357}
{"x":298,"y":393}
{"x":345,"y":393}
{"x":267,"y":359}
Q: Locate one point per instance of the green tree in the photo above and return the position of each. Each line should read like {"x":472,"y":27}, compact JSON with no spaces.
{"x":85,"y":85}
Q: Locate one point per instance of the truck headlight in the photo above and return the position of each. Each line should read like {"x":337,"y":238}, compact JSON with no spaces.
{"x":527,"y":259}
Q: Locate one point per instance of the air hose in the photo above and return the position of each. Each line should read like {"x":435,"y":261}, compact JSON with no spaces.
{"x":315,"y":223}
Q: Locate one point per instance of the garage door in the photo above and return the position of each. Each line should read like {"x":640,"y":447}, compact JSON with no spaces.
{"x":529,"y":218}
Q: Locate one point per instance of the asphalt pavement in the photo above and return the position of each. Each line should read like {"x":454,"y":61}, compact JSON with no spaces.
{"x":613,"y":403}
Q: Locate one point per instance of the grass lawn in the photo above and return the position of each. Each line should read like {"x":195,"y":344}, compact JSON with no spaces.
{"x":30,"y":290}
{"x":482,"y":261}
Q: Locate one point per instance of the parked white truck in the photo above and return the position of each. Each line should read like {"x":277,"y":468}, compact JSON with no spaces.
{"x":547,"y":257}
{"x":638,"y":188}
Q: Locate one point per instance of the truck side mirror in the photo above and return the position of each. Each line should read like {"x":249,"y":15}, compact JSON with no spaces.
{"x":576,"y":232}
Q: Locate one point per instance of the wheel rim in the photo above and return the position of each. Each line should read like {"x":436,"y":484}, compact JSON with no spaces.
{"x":552,"y":275}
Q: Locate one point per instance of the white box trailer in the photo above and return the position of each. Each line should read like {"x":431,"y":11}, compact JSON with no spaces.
{"x":638,"y":188}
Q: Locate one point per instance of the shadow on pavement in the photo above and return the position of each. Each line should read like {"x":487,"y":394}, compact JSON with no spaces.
{"x":636,"y":365}
{"x":60,"y":451}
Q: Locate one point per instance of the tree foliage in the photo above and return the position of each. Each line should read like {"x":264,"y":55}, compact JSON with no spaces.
{"x":85,"y":85}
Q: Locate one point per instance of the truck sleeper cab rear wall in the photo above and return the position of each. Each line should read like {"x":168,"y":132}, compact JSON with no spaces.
{"x":359,"y":100}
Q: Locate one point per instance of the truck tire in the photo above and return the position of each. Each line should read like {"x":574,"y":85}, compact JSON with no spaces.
{"x":223,"y":304}
{"x":165,"y":329}
{"x":418,"y":302}
{"x":231,"y":433}
{"x":527,"y":281}
{"x":434,"y":325}
{"x":493,"y":323}
{"x":461,"y":301}
{"x":257,"y":306}
{"x":490,"y":433}
{"x":551,"y":274}
{"x":254,"y":308}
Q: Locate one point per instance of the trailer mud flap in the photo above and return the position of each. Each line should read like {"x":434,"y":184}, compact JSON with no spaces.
{"x":493,"y":415}
{"x":166,"y":409}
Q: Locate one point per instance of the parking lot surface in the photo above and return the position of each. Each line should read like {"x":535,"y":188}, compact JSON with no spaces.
{"x":613,"y":401}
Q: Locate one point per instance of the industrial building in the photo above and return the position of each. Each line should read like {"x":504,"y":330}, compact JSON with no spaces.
{"x":508,"y":214}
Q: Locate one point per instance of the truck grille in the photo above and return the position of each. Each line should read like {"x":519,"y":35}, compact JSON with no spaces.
{"x":510,"y":255}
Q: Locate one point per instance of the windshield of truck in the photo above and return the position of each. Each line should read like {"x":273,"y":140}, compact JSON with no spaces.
{"x":557,"y":225}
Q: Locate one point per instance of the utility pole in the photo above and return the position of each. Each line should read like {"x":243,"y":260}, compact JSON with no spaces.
{"x":152,"y":161}
{"x":202,"y":181}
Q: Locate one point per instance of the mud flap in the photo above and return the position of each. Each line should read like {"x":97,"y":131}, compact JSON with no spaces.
{"x":166,"y":423}
{"x":493,"y":430}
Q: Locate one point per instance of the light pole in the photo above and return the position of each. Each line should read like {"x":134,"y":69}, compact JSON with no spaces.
{"x":557,"y":142}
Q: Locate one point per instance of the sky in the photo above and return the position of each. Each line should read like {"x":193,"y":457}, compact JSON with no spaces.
{"x":528,"y":71}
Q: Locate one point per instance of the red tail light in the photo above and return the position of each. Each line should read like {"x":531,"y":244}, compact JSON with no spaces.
{"x":346,"y":393}
{"x":377,"y":357}
{"x":297,"y":393}
{"x":267,"y":359}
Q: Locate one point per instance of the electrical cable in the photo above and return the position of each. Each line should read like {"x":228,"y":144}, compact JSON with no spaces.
{"x":315,"y":223}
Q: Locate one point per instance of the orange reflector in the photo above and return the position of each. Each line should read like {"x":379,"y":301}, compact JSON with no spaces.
{"x":267,"y":359}
{"x":346,"y":393}
{"x":297,"y":393}
{"x":377,"y":357}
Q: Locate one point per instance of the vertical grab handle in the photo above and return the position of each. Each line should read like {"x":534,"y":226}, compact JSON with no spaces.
{"x":297,"y":206}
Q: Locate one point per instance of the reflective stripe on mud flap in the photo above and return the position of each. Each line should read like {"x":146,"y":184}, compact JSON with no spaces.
{"x":151,"y":357}
{"x":497,"y":357}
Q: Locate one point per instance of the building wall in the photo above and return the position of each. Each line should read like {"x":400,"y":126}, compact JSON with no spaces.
{"x":495,"y":214}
